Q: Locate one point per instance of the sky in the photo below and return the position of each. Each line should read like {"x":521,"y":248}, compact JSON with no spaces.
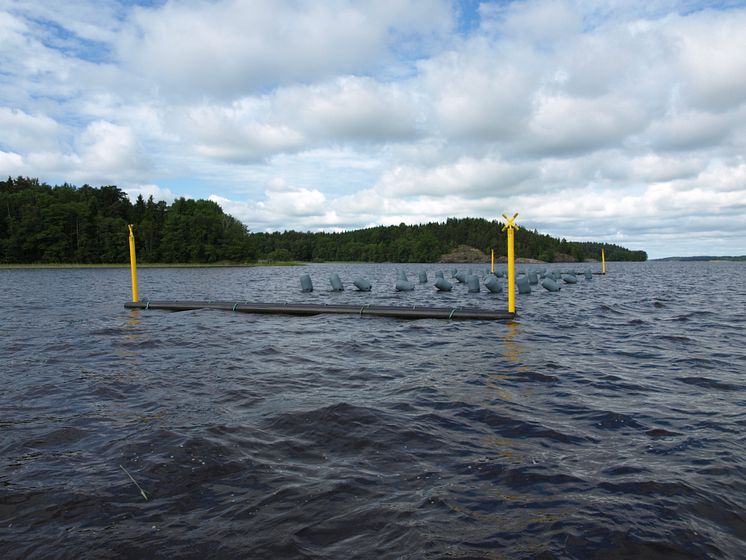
{"x":614,"y":121}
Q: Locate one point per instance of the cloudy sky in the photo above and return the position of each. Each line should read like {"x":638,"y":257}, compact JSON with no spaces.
{"x":617,"y":120}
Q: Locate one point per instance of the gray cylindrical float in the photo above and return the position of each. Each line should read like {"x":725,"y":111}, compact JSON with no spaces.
{"x":473,"y":283}
{"x":523,"y":286}
{"x":402,"y":275}
{"x":549,"y":284}
{"x":533,"y":279}
{"x":454,"y":271}
{"x":443,"y":285}
{"x":362,"y":284}
{"x":493,"y":285}
{"x":423,"y":277}
{"x":588,"y":275}
{"x":461,"y":277}
{"x":439,"y":274}
{"x":404,"y":286}
{"x":305,"y":283}
{"x":569,"y":279}
{"x":336,"y":283}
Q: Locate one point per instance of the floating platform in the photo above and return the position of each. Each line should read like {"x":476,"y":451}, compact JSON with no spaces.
{"x":305,"y":309}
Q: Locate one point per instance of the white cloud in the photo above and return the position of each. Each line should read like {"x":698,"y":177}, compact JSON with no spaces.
{"x":350,"y":109}
{"x":228,"y":47}
{"x":467,"y":177}
{"x":690,"y":130}
{"x":306,"y":208}
{"x":146,"y":191}
{"x":713,"y":68}
{"x":481,"y":92}
{"x":23,"y":132}
{"x":566,"y":125}
{"x":532,"y":21}
{"x":11,"y":164}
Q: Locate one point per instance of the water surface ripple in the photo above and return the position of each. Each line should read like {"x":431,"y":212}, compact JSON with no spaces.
{"x":607,"y":421}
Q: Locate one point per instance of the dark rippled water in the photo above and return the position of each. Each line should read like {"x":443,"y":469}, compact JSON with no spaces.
{"x":606,"y":422}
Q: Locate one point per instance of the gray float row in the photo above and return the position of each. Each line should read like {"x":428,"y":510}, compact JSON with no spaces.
{"x":550,"y":280}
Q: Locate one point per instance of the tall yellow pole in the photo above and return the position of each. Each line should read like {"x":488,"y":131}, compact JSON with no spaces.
{"x":493,"y":260}
{"x":510,"y":227}
{"x":133,"y":265}
{"x":603,"y":262}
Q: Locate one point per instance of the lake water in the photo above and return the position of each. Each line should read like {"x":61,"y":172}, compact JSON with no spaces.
{"x":607,"y":421}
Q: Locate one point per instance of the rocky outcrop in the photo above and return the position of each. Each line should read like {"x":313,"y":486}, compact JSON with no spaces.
{"x":519,"y":260}
{"x":465,"y":254}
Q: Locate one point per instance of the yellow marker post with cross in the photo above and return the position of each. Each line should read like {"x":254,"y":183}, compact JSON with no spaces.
{"x":603,"y":261}
{"x":510,"y":226}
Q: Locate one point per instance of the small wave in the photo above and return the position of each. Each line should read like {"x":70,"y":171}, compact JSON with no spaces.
{"x":511,"y":427}
{"x":675,"y":489}
{"x":534,"y":376}
{"x":603,"y":419}
{"x":709,"y":383}
{"x":661,"y":432}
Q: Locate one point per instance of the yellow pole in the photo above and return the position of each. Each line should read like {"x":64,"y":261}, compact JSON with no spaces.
{"x":493,"y":260}
{"x":133,"y":265}
{"x":510,"y":227}
{"x":603,"y":262}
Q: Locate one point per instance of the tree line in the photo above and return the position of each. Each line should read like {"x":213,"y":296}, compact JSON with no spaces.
{"x":62,"y":224}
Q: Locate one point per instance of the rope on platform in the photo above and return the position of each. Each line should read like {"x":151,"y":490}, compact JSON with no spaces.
{"x":147,"y":305}
{"x":234,"y":306}
{"x":452,"y":312}
{"x":363,"y":308}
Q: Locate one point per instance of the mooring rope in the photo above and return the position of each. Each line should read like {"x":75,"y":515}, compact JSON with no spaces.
{"x":452,"y":312}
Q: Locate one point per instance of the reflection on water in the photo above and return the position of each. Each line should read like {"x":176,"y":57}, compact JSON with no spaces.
{"x":512,"y":348}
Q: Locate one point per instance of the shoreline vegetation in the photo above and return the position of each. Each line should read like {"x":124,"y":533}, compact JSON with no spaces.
{"x":59,"y":266}
{"x":73,"y":226}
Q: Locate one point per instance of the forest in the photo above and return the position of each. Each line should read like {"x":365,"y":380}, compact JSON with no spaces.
{"x":64,"y":224}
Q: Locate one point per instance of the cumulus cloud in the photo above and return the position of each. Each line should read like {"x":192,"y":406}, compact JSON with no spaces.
{"x":146,"y":191}
{"x":710,"y":57}
{"x":11,"y":164}
{"x":102,"y":151}
{"x":24,"y":132}
{"x":234,"y":133}
{"x":229,"y":47}
{"x":467,"y":177}
{"x":306,"y":209}
{"x":351,"y":109}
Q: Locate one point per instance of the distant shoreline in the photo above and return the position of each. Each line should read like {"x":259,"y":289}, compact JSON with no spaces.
{"x":703,"y":258}
{"x":55,"y":266}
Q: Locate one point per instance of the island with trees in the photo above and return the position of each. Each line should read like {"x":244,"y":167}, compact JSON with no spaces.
{"x":64,"y":224}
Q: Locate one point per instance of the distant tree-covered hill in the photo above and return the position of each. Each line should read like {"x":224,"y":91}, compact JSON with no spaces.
{"x":705,"y":258}
{"x":65,"y":224}
{"x":428,"y":242}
